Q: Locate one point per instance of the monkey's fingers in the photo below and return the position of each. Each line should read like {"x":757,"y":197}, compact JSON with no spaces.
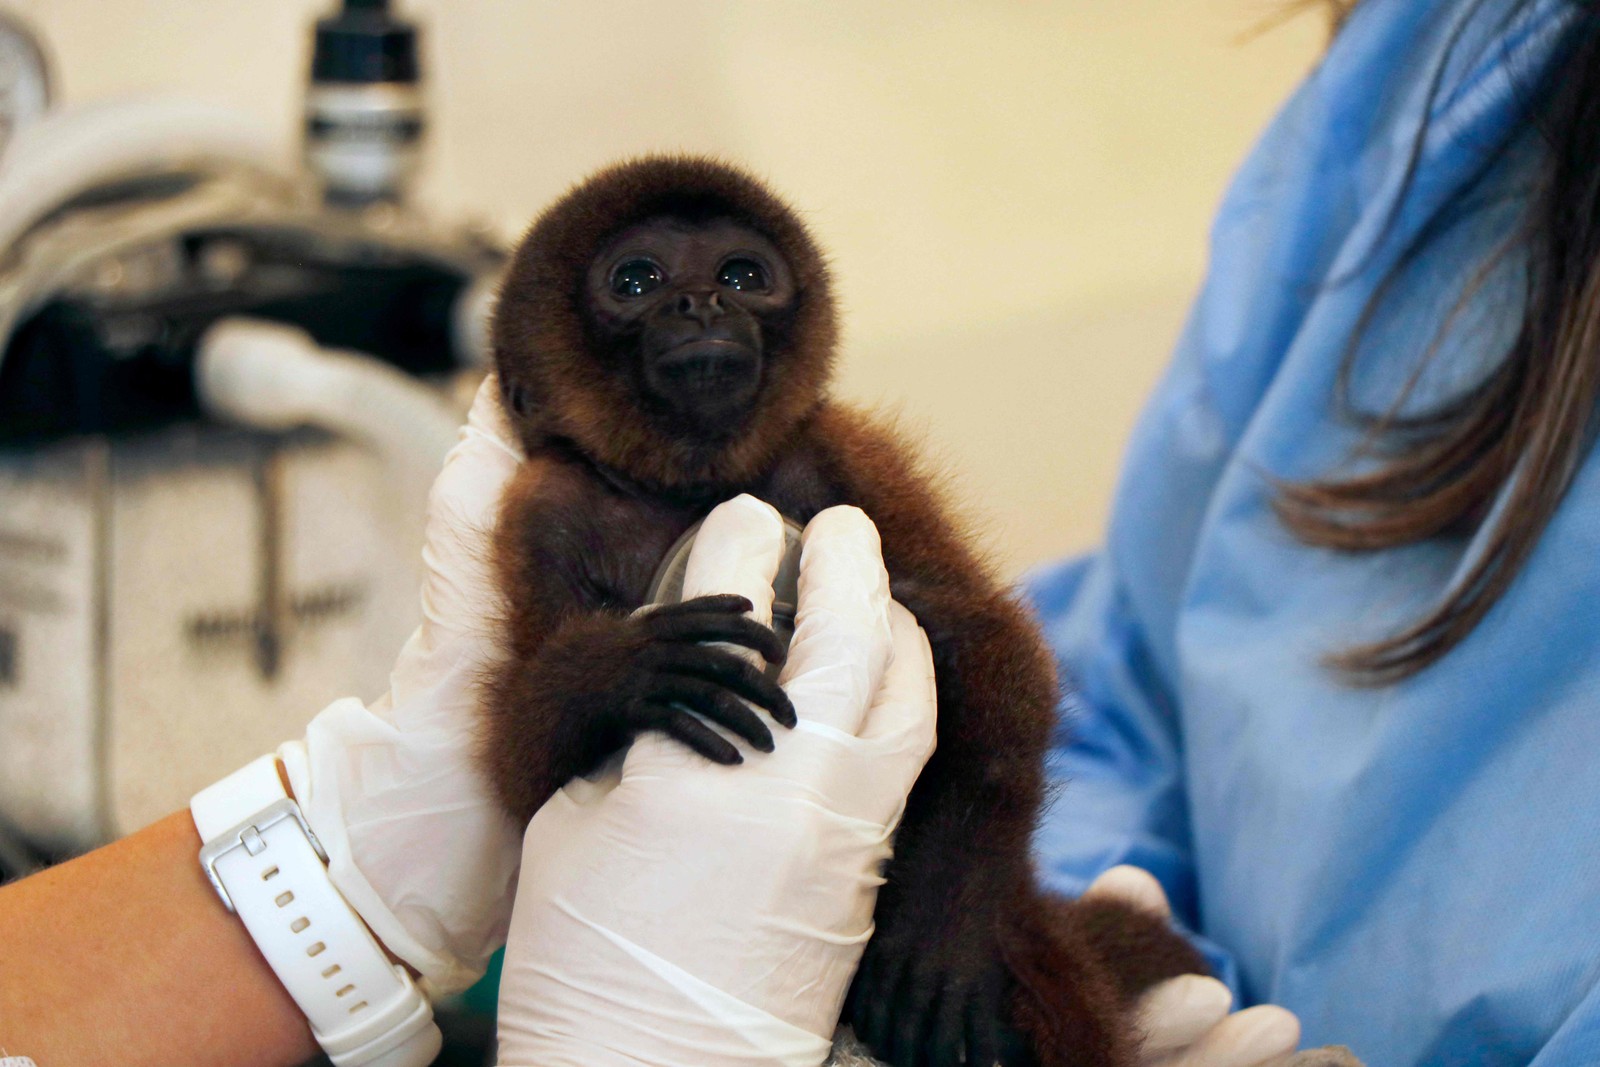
{"x":716,"y":703}
{"x":983,"y":1033}
{"x":949,"y":1041}
{"x":946,"y":1034}
{"x":685,"y":728}
{"x":1015,"y":1048}
{"x":731,"y":672}
{"x":723,"y":602}
{"x":873,"y":999}
{"x":723,"y":627}
{"x":917,"y":1011}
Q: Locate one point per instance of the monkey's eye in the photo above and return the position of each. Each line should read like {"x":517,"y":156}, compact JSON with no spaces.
{"x":743,"y":274}
{"x":636,"y":277}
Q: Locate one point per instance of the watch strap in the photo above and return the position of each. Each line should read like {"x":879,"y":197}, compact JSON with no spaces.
{"x":272,"y":872}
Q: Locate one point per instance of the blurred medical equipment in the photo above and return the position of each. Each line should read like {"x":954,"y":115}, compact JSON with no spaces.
{"x":24,"y":77}
{"x":226,"y":382}
{"x":364,"y":117}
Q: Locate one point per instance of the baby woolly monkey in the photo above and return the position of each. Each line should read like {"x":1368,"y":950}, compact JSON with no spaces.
{"x":664,"y":339}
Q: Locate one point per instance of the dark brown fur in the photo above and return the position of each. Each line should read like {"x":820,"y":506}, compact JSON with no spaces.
{"x":609,"y":489}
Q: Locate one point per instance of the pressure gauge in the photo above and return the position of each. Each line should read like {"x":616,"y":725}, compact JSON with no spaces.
{"x":24,"y":78}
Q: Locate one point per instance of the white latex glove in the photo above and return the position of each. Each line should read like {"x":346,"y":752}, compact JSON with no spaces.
{"x":415,"y":842}
{"x":678,"y":912}
{"x":1185,"y":1020}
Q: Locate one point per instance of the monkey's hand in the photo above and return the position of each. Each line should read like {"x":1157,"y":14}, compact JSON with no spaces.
{"x":602,"y":679}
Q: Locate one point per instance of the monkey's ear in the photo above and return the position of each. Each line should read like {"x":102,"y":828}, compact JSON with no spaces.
{"x":515,"y":396}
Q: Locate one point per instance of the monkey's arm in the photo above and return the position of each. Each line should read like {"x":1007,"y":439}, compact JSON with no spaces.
{"x":581,"y":675}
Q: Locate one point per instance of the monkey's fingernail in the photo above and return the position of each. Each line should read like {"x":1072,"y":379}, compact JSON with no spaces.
{"x":726,"y":755}
{"x":782,"y":709}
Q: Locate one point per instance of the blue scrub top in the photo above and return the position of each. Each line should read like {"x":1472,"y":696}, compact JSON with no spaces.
{"x":1413,"y":870}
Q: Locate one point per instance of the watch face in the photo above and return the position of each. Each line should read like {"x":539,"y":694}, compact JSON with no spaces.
{"x":24,"y":78}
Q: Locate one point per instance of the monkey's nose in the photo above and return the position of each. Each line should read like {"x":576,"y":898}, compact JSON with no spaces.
{"x":702,"y":307}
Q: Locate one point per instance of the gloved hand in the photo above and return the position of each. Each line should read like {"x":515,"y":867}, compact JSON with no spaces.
{"x":1185,"y":1020}
{"x":415,"y":842}
{"x":672,"y":911}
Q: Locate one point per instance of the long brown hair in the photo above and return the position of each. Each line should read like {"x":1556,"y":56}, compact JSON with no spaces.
{"x":1521,"y":433}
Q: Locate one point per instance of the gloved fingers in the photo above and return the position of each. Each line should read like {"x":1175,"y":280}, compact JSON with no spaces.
{"x":1256,"y":1037}
{"x":458,"y":597}
{"x":842,"y":639}
{"x":862,"y":780}
{"x":737,"y":551}
{"x":906,"y":704}
{"x":487,"y":416}
{"x":1172,"y":1015}
{"x":1134,"y":886}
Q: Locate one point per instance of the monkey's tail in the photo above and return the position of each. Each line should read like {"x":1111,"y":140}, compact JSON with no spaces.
{"x":1077,"y":967}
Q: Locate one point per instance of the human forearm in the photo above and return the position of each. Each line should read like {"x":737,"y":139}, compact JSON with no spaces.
{"x":127,"y":956}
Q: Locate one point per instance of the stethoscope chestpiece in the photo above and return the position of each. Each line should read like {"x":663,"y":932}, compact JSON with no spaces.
{"x":667,"y":586}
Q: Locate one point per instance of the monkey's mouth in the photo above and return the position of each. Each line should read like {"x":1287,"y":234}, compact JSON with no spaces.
{"x":706,"y":372}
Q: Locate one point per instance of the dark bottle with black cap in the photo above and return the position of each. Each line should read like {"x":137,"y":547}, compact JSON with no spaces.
{"x":364,"y":119}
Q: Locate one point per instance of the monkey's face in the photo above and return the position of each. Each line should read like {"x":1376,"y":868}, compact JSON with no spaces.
{"x":670,"y":319}
{"x":691,"y":310}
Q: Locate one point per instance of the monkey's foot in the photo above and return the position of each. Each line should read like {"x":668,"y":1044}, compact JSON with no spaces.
{"x":936,"y":1001}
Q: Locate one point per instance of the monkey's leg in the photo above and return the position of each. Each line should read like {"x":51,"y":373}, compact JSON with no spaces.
{"x":933,"y":982}
{"x":1058,"y":991}
{"x":963,"y":933}
{"x":932,"y":985}
{"x":602,"y":678}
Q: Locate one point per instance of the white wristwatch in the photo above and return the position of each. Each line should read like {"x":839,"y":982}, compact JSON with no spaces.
{"x":272,"y":872}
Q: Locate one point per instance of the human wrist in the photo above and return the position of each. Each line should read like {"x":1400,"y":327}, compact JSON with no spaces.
{"x":269,"y":868}
{"x":98,"y":946}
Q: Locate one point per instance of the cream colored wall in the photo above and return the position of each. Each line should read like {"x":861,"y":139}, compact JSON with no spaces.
{"x":1016,"y":194}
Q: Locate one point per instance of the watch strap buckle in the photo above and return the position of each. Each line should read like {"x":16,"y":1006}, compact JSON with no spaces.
{"x":248,"y":835}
